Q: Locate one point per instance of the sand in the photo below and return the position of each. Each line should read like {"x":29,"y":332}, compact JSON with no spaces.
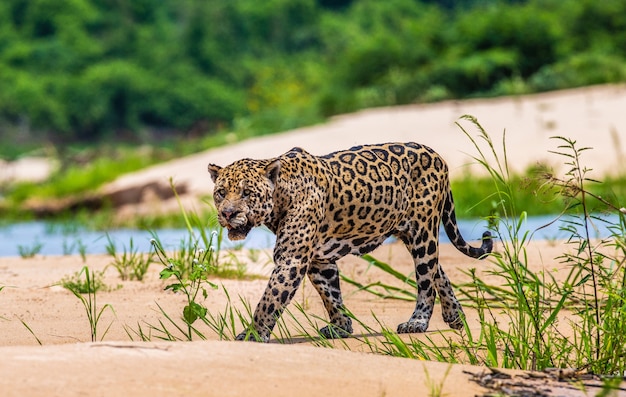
{"x":591,"y":116}
{"x":35,"y":309}
{"x":69,"y":364}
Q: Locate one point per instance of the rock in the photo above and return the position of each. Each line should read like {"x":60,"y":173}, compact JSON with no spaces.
{"x":151,"y":192}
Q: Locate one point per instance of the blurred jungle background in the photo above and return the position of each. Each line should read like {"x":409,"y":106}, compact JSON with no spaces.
{"x":89,"y":81}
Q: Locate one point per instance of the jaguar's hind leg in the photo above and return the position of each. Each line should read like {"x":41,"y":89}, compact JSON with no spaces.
{"x":425,"y":251}
{"x":450,"y":307}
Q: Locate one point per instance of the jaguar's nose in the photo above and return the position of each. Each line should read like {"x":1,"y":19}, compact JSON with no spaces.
{"x":229,"y":213}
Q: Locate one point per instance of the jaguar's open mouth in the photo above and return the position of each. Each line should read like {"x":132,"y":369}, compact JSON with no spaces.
{"x":239,"y":232}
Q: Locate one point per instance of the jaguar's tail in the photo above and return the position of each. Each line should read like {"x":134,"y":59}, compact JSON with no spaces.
{"x":448,"y":217}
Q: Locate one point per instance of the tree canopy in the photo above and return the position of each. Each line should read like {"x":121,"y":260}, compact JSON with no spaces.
{"x":87,"y":70}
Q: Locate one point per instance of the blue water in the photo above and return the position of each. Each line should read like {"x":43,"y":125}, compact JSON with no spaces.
{"x":54,"y":239}
{"x":47,"y":238}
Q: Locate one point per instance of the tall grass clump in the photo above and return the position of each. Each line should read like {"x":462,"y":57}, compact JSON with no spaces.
{"x":29,"y":251}
{"x":548,"y":322}
{"x":188,"y":270}
{"x":596,"y":282}
{"x":530,"y":319}
{"x":528,"y":339}
{"x":130,"y":263}
{"x":87,"y":294}
{"x":189,"y":279}
{"x":90,"y":284}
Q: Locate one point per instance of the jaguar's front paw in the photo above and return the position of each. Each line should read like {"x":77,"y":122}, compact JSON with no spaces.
{"x":413,"y":326}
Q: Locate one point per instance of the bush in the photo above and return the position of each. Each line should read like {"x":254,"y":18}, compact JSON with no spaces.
{"x":87,"y":70}
{"x":580,"y":70}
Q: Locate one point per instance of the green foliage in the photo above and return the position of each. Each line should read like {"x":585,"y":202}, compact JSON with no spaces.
{"x":29,"y":251}
{"x":189,"y":278}
{"x":476,"y":196}
{"x":188,"y":270}
{"x":92,"y":70}
{"x":91,"y":284}
{"x":130,"y":264}
{"x":581,"y":69}
{"x":85,"y":171}
{"x":534,"y":303}
{"x":78,"y":245}
{"x":30,"y":330}
{"x":597,"y":280}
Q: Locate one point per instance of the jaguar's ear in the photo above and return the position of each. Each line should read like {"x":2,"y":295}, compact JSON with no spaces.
{"x":272,"y":170}
{"x":214,"y":170}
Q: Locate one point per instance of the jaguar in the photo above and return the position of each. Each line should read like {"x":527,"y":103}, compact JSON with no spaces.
{"x":322,"y":208}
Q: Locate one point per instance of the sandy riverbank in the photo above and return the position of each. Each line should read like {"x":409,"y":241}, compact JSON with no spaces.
{"x":69,"y":364}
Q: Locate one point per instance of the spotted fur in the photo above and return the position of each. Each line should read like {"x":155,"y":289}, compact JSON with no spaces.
{"x":322,"y":208}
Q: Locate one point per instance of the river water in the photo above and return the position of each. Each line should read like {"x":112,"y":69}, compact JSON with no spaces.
{"x":49,"y":238}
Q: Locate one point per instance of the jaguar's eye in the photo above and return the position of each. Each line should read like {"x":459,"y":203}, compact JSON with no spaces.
{"x":246,"y":193}
{"x":220,"y":193}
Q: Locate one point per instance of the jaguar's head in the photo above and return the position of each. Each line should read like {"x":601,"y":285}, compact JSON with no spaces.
{"x":243,"y":194}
